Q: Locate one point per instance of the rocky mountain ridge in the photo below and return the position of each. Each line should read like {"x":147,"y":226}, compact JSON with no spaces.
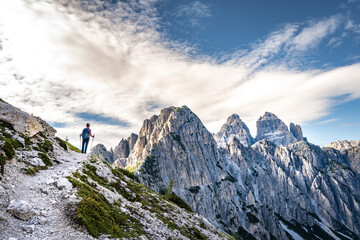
{"x":271,"y":190}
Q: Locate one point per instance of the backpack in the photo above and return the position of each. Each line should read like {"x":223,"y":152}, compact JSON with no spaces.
{"x":85,"y":133}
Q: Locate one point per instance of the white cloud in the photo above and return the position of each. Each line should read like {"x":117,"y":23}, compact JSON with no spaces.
{"x":327,"y":121}
{"x":311,"y":36}
{"x":193,"y":12}
{"x":82,"y":56}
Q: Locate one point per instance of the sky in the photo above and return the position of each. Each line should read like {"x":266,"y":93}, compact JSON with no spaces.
{"x":116,"y":63}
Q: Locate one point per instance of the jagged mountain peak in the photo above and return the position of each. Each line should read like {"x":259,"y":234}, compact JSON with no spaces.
{"x":268,"y":115}
{"x":272,"y":128}
{"x":234,"y":128}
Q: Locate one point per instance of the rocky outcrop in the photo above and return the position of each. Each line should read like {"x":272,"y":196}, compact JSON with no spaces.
{"x":21,"y":121}
{"x":271,"y":128}
{"x":271,"y":190}
{"x":234,"y":127}
{"x":121,"y":152}
{"x":20,"y":209}
{"x":101,"y":151}
{"x":296,"y":131}
{"x":350,"y":150}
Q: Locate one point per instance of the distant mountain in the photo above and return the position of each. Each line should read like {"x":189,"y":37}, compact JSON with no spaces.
{"x":276,"y":188}
{"x":234,"y":127}
{"x":271,"y":128}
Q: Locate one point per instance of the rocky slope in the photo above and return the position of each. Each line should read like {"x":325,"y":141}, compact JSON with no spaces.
{"x":50,"y":192}
{"x":298,"y":191}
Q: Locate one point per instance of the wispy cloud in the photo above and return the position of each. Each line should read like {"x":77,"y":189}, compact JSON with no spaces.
{"x":60,"y":59}
{"x":309,"y":37}
{"x":193,"y":13}
{"x":327,"y":121}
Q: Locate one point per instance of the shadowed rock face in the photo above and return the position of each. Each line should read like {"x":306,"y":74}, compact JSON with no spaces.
{"x":296,"y":131}
{"x":263,"y":189}
{"x":234,"y":127}
{"x":271,"y":128}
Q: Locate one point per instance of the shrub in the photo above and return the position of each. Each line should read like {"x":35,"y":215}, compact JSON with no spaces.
{"x":44,"y":157}
{"x":62,"y":143}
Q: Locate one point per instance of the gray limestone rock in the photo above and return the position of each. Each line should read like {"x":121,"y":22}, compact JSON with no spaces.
{"x":101,"y":151}
{"x":21,"y":121}
{"x":296,"y":131}
{"x":271,"y":128}
{"x":20,"y":209}
{"x":234,"y":127}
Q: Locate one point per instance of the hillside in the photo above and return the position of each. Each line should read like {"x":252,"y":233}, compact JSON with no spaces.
{"x":48,"y":191}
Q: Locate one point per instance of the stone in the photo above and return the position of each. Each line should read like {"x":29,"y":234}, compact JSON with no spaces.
{"x":20,"y":209}
{"x":28,"y":228}
{"x":63,"y":183}
{"x":22,"y":122}
{"x":37,"y":162}
{"x":3,"y":223}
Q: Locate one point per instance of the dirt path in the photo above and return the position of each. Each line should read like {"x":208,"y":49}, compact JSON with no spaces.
{"x":48,"y":193}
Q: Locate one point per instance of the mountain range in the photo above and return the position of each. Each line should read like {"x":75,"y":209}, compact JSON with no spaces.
{"x":274,"y":186}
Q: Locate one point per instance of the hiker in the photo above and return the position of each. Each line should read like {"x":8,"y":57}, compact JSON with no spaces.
{"x":86,"y":134}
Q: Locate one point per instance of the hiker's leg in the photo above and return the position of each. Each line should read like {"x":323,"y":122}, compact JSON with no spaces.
{"x":86,"y":144}
{"x":83,"y":146}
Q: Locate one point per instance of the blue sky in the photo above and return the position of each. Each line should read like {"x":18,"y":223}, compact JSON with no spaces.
{"x":116,"y":63}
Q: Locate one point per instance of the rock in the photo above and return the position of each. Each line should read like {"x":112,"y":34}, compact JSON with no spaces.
{"x":20,"y":209}
{"x":29,"y":228}
{"x":101,"y":151}
{"x":296,"y":131}
{"x":271,"y":128}
{"x":234,"y":127}
{"x":63,"y":183}
{"x":22,"y":122}
{"x":3,"y":223}
{"x":37,"y":162}
{"x":42,"y":220}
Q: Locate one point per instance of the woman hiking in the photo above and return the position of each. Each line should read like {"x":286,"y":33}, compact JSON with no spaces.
{"x":86,"y":134}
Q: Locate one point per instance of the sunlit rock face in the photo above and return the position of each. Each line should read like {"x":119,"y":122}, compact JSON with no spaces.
{"x":271,"y":128}
{"x":21,"y":121}
{"x":270,"y":190}
{"x":234,"y":128}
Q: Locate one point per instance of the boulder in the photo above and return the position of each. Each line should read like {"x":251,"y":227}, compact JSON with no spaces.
{"x":22,"y":122}
{"x":20,"y":209}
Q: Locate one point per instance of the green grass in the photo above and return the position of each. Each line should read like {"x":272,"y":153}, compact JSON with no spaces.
{"x":33,"y":170}
{"x":127,"y":173}
{"x":45,"y":146}
{"x":62,"y":143}
{"x":73,"y":148}
{"x":44,"y":157}
{"x":2,"y":163}
{"x":101,"y":217}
